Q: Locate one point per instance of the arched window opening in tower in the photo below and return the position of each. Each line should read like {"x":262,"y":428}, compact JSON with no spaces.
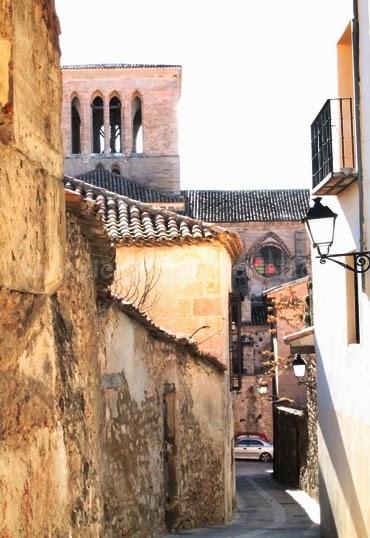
{"x":115,"y":125}
{"x":75,"y":125}
{"x":137,"y":127}
{"x":116,"y":169}
{"x":270,"y":261}
{"x":98,"y":125}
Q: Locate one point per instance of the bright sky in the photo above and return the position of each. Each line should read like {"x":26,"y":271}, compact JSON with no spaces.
{"x":255,"y":74}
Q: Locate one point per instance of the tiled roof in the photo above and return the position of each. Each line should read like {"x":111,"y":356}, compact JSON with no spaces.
{"x":246,"y":205}
{"x":121,"y":185}
{"x":120,"y":66}
{"x":130,"y":222}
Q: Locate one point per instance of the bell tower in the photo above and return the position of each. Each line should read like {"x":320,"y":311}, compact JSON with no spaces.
{"x":123,"y":118}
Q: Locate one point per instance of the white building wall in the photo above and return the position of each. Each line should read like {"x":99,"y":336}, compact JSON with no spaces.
{"x":343,"y":368}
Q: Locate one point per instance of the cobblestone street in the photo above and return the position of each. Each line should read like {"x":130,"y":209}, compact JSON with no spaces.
{"x":264,"y":509}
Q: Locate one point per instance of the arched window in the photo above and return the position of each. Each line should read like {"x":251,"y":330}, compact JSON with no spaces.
{"x":98,"y":125}
{"x":137,"y":126}
{"x":269,"y":261}
{"x":116,"y":169}
{"x":99,"y":166}
{"x":115,"y":125}
{"x":75,"y":125}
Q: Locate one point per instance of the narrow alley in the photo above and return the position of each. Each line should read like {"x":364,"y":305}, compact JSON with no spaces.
{"x":265,"y":509}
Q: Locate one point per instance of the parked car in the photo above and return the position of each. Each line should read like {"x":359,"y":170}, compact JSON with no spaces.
{"x":261,"y":436}
{"x":254,"y":449}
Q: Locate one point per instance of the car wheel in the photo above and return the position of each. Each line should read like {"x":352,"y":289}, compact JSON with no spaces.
{"x":265,"y":456}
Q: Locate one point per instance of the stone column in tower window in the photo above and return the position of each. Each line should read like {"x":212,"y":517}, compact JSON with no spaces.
{"x":106,"y":127}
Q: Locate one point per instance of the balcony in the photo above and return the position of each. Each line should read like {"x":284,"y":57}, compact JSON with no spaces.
{"x":333,"y":147}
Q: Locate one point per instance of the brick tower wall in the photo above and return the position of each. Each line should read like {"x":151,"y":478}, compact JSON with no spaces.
{"x":158,"y":166}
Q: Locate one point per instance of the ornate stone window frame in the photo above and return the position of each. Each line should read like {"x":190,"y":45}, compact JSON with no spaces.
{"x":269,"y":240}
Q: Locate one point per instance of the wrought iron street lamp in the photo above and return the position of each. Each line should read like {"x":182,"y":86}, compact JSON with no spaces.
{"x":299,"y":366}
{"x":320,"y":224}
{"x":299,"y":369}
{"x":262,"y":390}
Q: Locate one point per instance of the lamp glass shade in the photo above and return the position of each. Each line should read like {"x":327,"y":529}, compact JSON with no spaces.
{"x":262,"y":389}
{"x":320,"y":224}
{"x":299,"y":366}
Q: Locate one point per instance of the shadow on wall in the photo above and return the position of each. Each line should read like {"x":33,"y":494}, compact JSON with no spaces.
{"x":332,"y":436}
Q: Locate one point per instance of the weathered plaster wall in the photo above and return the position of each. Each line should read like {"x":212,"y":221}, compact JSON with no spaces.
{"x":32,"y":205}
{"x":157,"y":477}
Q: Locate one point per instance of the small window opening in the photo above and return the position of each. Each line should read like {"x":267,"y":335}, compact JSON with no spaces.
{"x":99,"y":167}
{"x":98,"y":125}
{"x":116,"y":170}
{"x":137,"y":127}
{"x":258,"y":311}
{"x":76,"y":125}
{"x":115,"y":125}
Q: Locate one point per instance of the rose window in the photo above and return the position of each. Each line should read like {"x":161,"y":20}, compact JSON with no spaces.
{"x":269,"y":261}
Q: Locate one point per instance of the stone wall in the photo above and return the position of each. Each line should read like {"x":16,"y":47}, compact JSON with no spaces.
{"x":88,"y":448}
{"x":32,"y":204}
{"x":309,"y":475}
{"x":157,"y":172}
{"x":163,"y":438}
{"x":192,"y":291}
{"x":252,"y":413}
{"x":296,"y":445}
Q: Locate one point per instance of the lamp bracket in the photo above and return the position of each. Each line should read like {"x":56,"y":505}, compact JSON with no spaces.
{"x":361,"y":260}
{"x":271,"y":399}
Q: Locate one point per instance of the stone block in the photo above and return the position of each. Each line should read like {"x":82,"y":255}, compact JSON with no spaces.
{"x":32,"y":226}
{"x":206,"y":307}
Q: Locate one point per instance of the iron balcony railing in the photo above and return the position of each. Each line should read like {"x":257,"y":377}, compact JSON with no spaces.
{"x":332,"y":139}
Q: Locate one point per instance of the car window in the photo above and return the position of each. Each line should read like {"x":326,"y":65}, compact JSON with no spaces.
{"x":255,"y":443}
{"x":243,"y":442}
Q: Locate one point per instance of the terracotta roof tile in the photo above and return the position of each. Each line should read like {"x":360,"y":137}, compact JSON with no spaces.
{"x":120,"y":66}
{"x":247,"y":205}
{"x":127,"y":187}
{"x":130,"y":222}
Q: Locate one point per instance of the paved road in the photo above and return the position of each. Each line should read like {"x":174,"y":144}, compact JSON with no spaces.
{"x":264,"y":509}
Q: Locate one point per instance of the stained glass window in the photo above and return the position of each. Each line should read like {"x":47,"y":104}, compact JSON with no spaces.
{"x":269,"y":261}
